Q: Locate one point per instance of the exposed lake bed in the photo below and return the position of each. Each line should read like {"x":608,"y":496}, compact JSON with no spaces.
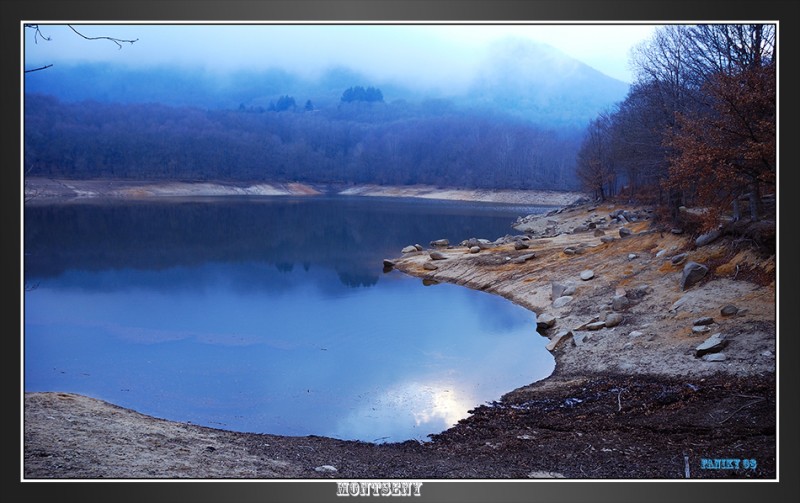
{"x":619,"y":405}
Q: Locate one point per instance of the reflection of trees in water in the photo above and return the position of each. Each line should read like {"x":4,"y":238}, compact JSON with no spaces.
{"x":350,"y":236}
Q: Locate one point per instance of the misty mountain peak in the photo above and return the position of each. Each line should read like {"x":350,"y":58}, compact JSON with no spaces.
{"x":534,"y":79}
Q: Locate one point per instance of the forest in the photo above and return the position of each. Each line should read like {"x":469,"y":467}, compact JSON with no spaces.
{"x":362,"y":139}
{"x":698,"y":128}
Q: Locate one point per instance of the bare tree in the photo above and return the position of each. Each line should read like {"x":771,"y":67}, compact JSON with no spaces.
{"x":39,"y":35}
{"x":595,"y":166}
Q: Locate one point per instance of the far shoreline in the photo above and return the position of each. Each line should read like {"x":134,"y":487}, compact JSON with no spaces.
{"x":50,"y":190}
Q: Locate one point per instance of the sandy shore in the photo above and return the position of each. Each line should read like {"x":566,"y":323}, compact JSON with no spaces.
{"x":44,"y":190}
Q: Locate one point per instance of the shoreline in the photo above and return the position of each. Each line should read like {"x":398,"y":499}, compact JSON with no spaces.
{"x":634,"y":380}
{"x":49,"y":190}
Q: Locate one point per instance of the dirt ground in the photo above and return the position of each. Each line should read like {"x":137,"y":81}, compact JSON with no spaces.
{"x":628,"y":401}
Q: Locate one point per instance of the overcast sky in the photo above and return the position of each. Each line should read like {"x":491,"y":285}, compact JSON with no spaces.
{"x":418,"y":52}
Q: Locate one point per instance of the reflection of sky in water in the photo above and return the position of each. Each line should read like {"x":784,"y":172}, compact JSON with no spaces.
{"x":270,"y":317}
{"x":397,"y":360}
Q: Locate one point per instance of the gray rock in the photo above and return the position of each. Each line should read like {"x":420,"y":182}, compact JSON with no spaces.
{"x":676,"y":230}
{"x":569,"y":290}
{"x":705,"y":320}
{"x":713,"y":344}
{"x":700,"y":329}
{"x":562,"y":301}
{"x":435,"y":255}
{"x":523,"y":258}
{"x":632,"y":256}
{"x":558,"y":339}
{"x":607,"y":239}
{"x":677,"y":259}
{"x":581,"y":338}
{"x":597,"y":325}
{"x":707,"y":238}
{"x":729,"y":310}
{"x":613,"y":319}
{"x":557,"y":290}
{"x":587,"y":274}
{"x":624,"y":232}
{"x":475,"y":249}
{"x":430,"y":266}
{"x":692,"y":273}
{"x":599,"y":232}
{"x":635,"y":334}
{"x":418,"y":247}
{"x":520,"y":245}
{"x":545,"y":320}
{"x":409,"y":249}
{"x":326,"y":469}
{"x":440,"y":243}
{"x":715,"y":357}
{"x":619,"y":302}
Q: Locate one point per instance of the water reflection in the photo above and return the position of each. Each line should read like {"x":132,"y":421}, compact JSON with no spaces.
{"x":218,"y":325}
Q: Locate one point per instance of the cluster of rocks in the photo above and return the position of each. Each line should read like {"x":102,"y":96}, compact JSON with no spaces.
{"x":710,"y":350}
{"x":563,"y":293}
{"x":598,"y":225}
{"x":473,"y":246}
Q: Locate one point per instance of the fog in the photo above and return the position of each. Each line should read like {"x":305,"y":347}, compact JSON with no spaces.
{"x":431,"y":56}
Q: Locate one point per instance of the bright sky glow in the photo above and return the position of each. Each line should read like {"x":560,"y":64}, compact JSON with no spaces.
{"x":421,"y":53}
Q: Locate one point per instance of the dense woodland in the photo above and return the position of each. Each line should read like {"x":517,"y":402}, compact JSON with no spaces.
{"x":363,"y":139}
{"x":698,"y":128}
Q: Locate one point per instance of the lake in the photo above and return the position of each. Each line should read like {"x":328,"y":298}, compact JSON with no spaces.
{"x":270,"y":314}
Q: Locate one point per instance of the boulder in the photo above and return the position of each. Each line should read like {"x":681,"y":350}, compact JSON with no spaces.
{"x":692,"y":273}
{"x":713,"y":344}
{"x":562,"y":301}
{"x":613,"y":319}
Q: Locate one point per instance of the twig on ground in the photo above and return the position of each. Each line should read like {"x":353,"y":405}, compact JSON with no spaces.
{"x":742,"y":407}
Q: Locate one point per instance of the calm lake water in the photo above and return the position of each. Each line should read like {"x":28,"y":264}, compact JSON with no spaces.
{"x":270,"y":315}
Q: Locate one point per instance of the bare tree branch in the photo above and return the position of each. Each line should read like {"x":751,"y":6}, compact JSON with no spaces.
{"x":117,"y":41}
{"x":37,"y":69}
{"x":37,"y":33}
